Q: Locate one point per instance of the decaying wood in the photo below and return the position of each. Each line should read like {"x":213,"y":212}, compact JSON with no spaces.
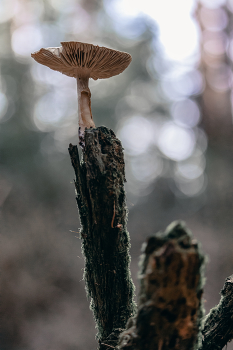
{"x":170,"y":307}
{"x":218,"y":324}
{"x":100,"y":196}
{"x":169,"y":313}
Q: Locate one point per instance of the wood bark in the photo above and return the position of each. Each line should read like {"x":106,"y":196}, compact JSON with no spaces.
{"x":170,"y":308}
{"x":100,"y":197}
{"x":218,"y":324}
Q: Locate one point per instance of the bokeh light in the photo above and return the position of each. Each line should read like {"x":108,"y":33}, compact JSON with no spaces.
{"x":137,"y":135}
{"x":191,"y":168}
{"x":213,"y":19}
{"x":51,"y":109}
{"x":215,"y":44}
{"x":186,"y":113}
{"x":147,"y":167}
{"x":177,"y":85}
{"x":175,"y":142}
{"x":191,"y":187}
{"x":26,"y":39}
{"x":219,"y":77}
{"x":41,"y":74}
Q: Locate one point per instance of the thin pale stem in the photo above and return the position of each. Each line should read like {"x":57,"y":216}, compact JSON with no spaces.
{"x":84,"y":105}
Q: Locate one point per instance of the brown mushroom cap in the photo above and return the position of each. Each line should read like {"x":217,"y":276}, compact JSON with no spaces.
{"x":77,"y":59}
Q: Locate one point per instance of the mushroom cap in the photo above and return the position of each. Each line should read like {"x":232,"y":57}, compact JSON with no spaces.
{"x":74,"y":59}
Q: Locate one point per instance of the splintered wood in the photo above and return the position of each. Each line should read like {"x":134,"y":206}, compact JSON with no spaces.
{"x":170,"y":308}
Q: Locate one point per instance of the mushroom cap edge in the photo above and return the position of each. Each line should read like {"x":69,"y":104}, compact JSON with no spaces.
{"x":78,"y":59}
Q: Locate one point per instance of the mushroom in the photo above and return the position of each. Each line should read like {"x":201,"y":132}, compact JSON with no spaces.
{"x":83,"y":61}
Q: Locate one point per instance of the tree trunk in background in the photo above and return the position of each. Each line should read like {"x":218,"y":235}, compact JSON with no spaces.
{"x":215,"y":66}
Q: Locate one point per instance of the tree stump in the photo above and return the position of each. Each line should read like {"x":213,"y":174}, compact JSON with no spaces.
{"x":170,"y":308}
{"x":100,"y":197}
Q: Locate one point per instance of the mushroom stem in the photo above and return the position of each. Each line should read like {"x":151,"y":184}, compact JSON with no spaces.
{"x":84,"y":105}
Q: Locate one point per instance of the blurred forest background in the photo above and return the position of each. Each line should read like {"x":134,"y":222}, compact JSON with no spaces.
{"x":172,"y":110}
